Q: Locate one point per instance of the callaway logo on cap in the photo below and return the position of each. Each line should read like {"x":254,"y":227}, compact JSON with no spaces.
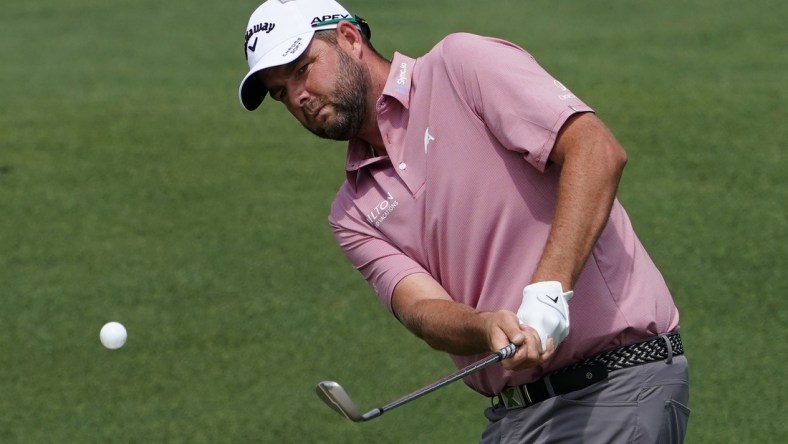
{"x":279,"y":31}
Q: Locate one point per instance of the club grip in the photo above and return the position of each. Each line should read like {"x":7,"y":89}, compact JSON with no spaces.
{"x":507,"y":352}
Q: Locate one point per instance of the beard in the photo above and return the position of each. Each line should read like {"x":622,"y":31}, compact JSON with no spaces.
{"x":349,"y":102}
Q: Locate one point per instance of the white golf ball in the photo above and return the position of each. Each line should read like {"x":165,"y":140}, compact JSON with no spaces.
{"x":113,"y":335}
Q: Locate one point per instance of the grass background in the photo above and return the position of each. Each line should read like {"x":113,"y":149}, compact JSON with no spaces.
{"x":134,"y":188}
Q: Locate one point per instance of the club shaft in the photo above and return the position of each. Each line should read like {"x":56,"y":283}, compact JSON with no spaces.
{"x":503,"y":353}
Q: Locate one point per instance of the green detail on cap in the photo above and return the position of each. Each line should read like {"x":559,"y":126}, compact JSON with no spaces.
{"x":334,"y":22}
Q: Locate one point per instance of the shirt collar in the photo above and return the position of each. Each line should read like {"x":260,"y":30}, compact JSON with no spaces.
{"x":400,"y":78}
{"x":359,"y":154}
{"x":397,"y":87}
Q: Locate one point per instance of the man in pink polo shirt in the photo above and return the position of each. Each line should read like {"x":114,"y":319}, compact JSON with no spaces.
{"x":480,"y":206}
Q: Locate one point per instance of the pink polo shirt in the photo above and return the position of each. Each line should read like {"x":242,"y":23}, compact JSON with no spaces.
{"x":465,"y":194}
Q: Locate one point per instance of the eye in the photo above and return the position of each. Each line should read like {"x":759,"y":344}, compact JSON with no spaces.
{"x":277,"y":94}
{"x":302,"y":69}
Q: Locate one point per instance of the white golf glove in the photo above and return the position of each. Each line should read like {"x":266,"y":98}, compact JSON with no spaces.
{"x":545,"y":309}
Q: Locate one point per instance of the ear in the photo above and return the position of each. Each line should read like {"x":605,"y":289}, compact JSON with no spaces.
{"x":349,"y":38}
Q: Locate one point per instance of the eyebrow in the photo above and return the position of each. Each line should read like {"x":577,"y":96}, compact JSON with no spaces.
{"x":290,"y":67}
{"x":287,"y":69}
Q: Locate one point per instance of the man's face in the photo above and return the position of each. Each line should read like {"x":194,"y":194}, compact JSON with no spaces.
{"x":324,"y":88}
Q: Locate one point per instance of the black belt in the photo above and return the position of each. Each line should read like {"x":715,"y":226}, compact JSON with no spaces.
{"x":594,"y":369}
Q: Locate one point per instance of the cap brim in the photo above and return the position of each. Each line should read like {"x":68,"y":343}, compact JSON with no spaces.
{"x":252,"y":92}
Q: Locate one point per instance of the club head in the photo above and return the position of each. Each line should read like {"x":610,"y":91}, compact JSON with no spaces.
{"x":337,"y":398}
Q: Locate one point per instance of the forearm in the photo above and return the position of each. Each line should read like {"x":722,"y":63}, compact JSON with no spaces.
{"x":591,"y":166}
{"x":446,"y":326}
{"x":425,"y":308}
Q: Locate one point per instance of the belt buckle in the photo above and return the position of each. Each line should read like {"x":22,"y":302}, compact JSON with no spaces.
{"x":516,"y":397}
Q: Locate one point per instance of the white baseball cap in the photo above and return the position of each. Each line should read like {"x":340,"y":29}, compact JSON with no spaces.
{"x":279,"y":31}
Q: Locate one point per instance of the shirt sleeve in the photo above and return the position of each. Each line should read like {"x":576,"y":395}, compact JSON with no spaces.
{"x":522,"y":105}
{"x":381,"y":263}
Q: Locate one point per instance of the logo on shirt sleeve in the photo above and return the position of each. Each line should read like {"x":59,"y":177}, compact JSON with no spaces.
{"x":563,"y":88}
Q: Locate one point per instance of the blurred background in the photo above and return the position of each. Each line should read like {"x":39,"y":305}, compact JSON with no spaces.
{"x":134,"y":188}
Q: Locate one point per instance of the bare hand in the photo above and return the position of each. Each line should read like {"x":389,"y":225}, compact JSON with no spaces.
{"x":503,"y":328}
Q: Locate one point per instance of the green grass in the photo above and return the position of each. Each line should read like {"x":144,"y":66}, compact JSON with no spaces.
{"x":134,"y":188}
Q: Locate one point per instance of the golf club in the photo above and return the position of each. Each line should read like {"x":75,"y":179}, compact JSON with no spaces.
{"x":337,"y":398}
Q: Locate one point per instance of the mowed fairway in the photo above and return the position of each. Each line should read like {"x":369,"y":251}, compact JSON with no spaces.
{"x":134,"y":188}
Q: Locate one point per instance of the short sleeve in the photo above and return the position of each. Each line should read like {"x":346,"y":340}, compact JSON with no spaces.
{"x":381,"y":263}
{"x":521,"y":104}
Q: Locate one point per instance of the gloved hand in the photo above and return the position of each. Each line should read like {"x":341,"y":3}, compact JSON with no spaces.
{"x":545,"y":309}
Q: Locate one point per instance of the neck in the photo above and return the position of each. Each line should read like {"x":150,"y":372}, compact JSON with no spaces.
{"x":378,"y":69}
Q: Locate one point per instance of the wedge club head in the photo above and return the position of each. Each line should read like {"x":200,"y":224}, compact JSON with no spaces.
{"x":337,"y":398}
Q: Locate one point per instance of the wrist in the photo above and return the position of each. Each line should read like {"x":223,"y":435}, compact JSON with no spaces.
{"x":545,"y":309}
{"x":566,"y":282}
{"x":552,"y":287}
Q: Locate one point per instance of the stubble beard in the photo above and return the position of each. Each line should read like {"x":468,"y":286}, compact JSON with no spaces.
{"x":348,"y":101}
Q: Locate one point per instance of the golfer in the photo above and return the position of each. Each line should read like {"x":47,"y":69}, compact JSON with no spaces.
{"x":480,"y":205}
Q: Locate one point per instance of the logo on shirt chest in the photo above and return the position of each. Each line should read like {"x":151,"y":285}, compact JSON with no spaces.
{"x":382,"y":211}
{"x":427,"y":139}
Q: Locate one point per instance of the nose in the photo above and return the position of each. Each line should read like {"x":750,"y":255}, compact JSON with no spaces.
{"x":299,"y":96}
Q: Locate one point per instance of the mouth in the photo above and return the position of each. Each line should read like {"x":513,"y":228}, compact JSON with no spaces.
{"x":317,"y":111}
{"x":313,"y":113}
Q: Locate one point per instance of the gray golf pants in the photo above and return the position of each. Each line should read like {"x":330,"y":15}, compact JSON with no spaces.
{"x":642,"y":404}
